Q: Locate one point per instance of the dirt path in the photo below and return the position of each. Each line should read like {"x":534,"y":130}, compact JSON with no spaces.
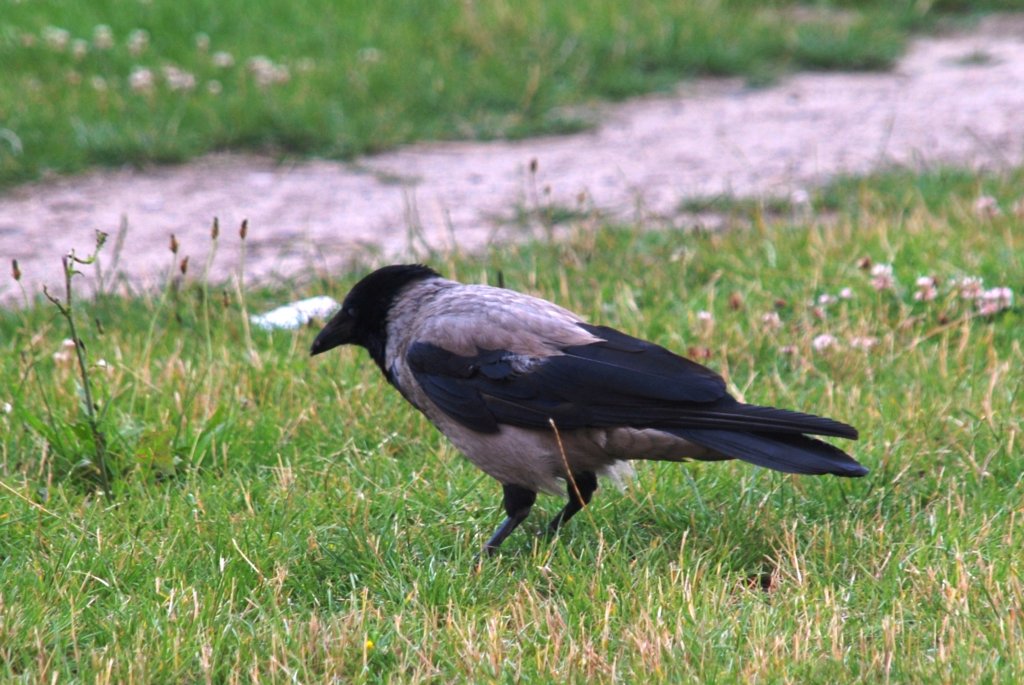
{"x":957,"y":100}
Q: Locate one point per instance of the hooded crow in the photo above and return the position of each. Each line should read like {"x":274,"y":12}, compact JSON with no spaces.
{"x":543,"y":401}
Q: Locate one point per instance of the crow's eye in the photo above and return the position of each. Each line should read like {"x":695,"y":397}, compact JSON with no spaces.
{"x":351,"y":312}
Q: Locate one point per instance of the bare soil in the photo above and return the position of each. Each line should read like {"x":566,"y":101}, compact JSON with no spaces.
{"x":952,"y":100}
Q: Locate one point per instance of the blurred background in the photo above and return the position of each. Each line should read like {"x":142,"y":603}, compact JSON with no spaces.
{"x":298,"y":101}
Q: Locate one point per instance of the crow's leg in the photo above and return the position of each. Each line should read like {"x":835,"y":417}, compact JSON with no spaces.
{"x":586,"y":483}
{"x":518,"y":501}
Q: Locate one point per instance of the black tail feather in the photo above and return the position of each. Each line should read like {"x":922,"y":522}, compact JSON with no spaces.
{"x":778,"y":451}
{"x":752,"y":417}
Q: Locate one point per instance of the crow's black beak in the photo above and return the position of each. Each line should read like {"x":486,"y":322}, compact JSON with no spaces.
{"x":338,"y":331}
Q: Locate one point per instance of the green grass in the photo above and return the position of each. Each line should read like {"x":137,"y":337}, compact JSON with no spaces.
{"x":279,"y":518}
{"x":342,"y":78}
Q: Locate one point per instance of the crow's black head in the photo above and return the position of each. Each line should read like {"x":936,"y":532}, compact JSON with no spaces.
{"x":362,"y":319}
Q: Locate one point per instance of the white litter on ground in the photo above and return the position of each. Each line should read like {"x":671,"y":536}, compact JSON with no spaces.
{"x":291,"y":316}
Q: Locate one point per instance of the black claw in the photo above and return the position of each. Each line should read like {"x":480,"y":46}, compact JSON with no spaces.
{"x":579,"y":497}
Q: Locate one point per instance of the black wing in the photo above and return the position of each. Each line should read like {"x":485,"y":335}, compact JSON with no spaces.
{"x":619,"y":381}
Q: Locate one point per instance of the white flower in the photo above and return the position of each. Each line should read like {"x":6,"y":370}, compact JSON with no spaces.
{"x":213,"y":87}
{"x":222,"y":59}
{"x":138,"y":41}
{"x":1002,"y":295}
{"x":823,"y":342}
{"x":771,"y":321}
{"x":995,"y":300}
{"x":826,"y":299}
{"x":64,"y":355}
{"x":705,"y":317}
{"x":800,"y":197}
{"x":141,"y":80}
{"x":7,"y":407}
{"x":266,"y":72}
{"x":98,"y":83}
{"x":970,"y":287}
{"x":863,"y":342}
{"x":102,"y":37}
{"x":926,"y":290}
{"x":79,"y":48}
{"x":987,"y":308}
{"x":202,"y":42}
{"x":178,"y":79}
{"x":846,"y":294}
{"x":56,"y":37}
{"x":925,"y":295}
{"x":881,"y":277}
{"x":986,"y":206}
